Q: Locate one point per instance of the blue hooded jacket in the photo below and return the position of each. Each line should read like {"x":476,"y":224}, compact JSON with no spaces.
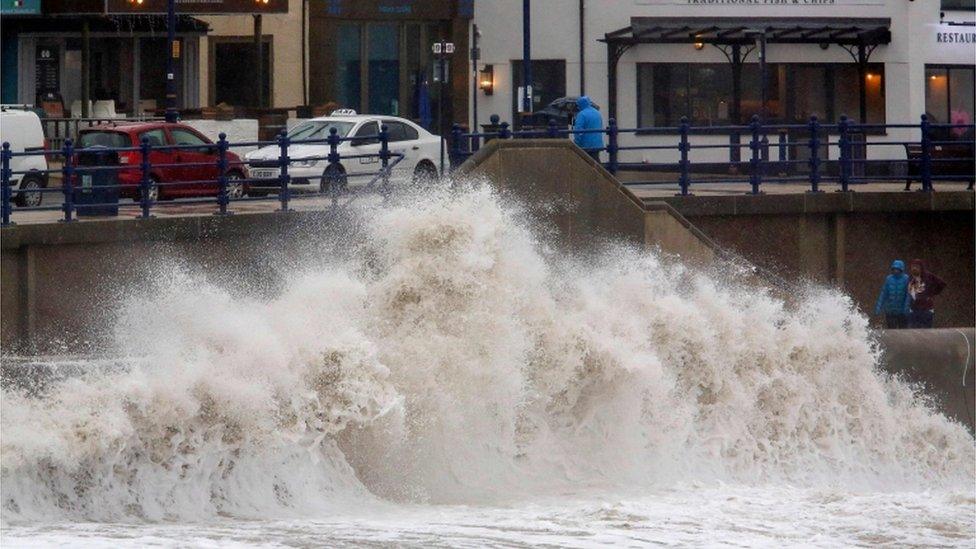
{"x":894,"y":298}
{"x":588,"y":118}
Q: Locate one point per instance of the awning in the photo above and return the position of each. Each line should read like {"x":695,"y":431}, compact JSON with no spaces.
{"x":120,"y":24}
{"x":858,"y":36}
{"x":744,"y":30}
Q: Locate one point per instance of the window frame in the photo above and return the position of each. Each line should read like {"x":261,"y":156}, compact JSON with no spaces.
{"x":948,"y":68}
{"x":359,"y":139}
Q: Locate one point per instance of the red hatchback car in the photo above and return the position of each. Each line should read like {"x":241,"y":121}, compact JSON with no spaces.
{"x":197,"y":178}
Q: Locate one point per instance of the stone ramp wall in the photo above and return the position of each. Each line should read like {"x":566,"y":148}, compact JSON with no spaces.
{"x":583,"y":204}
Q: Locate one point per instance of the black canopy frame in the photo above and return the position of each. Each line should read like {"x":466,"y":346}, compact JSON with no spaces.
{"x":737,"y":37}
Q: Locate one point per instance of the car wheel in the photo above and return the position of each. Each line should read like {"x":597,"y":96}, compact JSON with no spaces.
{"x":235,"y":188}
{"x":334,"y":175}
{"x":30,"y":195}
{"x":424,"y":175}
{"x":154,"y":194}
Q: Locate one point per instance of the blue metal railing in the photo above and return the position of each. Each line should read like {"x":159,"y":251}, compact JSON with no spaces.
{"x":940,"y":153}
{"x":145,"y":183}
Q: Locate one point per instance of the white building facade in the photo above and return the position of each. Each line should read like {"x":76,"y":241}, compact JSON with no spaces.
{"x":920,"y":58}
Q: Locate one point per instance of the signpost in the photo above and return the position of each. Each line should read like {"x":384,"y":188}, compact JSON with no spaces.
{"x":441,"y":50}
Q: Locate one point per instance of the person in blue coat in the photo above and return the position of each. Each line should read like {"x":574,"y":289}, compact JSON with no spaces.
{"x":894,"y":300}
{"x":588,"y":118}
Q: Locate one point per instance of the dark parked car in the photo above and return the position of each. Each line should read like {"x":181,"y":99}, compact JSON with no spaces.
{"x":183,"y":172}
{"x":562,"y":111}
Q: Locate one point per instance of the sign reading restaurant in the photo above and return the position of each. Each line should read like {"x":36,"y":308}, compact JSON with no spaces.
{"x":955,"y":37}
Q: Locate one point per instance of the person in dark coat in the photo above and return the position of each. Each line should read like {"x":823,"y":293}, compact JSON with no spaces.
{"x":894,"y":300}
{"x":923,"y":286}
{"x":588,"y":118}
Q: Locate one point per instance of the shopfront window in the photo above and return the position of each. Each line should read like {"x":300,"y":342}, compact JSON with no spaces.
{"x":794,"y":92}
{"x":950,"y":94}
{"x":548,"y":83}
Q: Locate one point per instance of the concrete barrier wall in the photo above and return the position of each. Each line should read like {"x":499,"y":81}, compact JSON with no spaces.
{"x":940,"y":360}
{"x":60,"y":285}
{"x":854,"y":249}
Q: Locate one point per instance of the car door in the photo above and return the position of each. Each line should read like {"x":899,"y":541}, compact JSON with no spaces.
{"x":403,"y":141}
{"x":199,"y":173}
{"x":158,"y":156}
{"x":366,"y":142}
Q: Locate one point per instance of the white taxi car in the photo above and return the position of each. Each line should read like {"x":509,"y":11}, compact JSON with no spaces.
{"x":309,"y":170}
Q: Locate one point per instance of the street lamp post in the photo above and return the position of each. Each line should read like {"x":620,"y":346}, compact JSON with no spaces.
{"x":171,"y":114}
{"x":475,"y":55}
{"x":526,"y":57}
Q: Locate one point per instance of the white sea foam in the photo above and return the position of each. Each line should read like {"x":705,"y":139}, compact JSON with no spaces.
{"x":453,"y":360}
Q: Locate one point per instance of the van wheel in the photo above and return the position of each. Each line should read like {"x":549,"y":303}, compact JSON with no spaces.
{"x":30,"y":195}
{"x":334,"y":175}
{"x":424,"y":175}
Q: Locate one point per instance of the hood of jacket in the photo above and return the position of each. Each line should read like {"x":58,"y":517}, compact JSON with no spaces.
{"x":919,"y":262}
{"x":583,"y":102}
{"x":898,"y":264}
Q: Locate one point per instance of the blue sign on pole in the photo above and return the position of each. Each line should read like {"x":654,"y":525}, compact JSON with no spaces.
{"x":20,"y":7}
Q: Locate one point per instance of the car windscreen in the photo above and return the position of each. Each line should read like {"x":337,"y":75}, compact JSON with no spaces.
{"x":319,"y":130}
{"x":103,"y":139}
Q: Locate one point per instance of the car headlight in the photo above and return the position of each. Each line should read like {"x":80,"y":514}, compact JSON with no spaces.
{"x":305,"y":163}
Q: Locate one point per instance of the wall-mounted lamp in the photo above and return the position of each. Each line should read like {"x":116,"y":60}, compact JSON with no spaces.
{"x":699,"y":45}
{"x":486,"y":79}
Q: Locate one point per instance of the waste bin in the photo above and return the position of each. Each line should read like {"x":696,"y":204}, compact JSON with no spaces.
{"x":96,"y":191}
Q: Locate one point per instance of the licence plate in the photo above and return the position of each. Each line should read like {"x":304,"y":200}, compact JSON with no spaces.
{"x":264,"y":174}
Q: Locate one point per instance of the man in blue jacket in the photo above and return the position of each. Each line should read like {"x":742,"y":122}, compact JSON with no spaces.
{"x":588,"y":118}
{"x":894,"y":300}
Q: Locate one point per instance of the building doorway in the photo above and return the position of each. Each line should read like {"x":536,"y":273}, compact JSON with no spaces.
{"x":232,"y":71}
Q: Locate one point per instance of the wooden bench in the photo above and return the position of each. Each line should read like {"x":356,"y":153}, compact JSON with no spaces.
{"x":949,"y":159}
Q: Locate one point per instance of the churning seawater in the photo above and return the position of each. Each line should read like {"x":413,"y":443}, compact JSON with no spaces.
{"x":449,"y":380}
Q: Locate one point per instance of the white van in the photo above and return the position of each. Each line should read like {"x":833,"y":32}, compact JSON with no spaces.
{"x":22,"y":129}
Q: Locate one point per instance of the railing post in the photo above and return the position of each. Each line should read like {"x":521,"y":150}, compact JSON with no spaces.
{"x":222,"y":197}
{"x":5,"y":178}
{"x":455,"y":145}
{"x":844,"y":142}
{"x":755,"y":163}
{"x":612,"y":147}
{"x":333,"y":168}
{"x":283,"y":177}
{"x":385,"y":159}
{"x":552,"y":132}
{"x":814,"y":127}
{"x":925,"y":171}
{"x":145,"y":181}
{"x":683,"y":164}
{"x":782,"y":147}
{"x":504,"y":132}
{"x":67,"y":174}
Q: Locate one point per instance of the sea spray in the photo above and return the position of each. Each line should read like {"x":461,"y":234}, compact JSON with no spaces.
{"x":452,"y":358}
